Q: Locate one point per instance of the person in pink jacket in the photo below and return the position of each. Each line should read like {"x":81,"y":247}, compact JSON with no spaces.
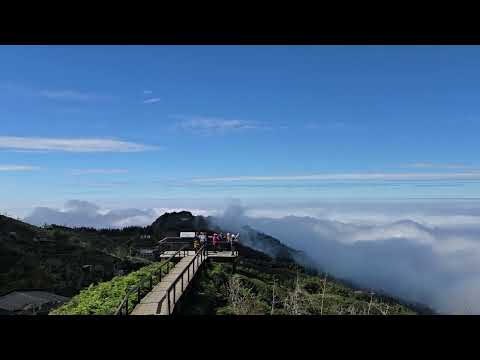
{"x":215,"y":242}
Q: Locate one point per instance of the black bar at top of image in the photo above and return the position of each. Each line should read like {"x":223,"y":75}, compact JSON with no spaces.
{"x":318,"y":28}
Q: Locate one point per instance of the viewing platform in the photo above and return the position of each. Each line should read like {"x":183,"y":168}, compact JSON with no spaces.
{"x":211,"y":254}
{"x":161,"y":298}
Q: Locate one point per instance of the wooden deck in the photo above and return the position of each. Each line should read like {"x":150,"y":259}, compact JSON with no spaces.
{"x":212,"y":254}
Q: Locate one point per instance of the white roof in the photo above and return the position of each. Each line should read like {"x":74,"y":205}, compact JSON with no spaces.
{"x":17,"y":300}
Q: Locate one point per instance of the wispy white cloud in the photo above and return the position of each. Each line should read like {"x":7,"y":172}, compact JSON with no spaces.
{"x":428,"y":165}
{"x":18,"y":168}
{"x":71,"y":145}
{"x":204,"y":124}
{"x":352,"y":177}
{"x":147,"y":92}
{"x":151,"y":100}
{"x":325,"y":125}
{"x":54,"y":94}
{"x":98,"y":171}
{"x":71,"y":95}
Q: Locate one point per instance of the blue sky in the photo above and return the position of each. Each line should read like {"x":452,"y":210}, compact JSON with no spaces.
{"x":279,"y":122}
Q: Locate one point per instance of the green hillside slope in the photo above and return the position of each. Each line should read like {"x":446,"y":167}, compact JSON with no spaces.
{"x":262,"y":285}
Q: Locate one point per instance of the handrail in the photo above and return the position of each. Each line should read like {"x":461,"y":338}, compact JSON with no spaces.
{"x":203,"y":252}
{"x":138,"y":287}
{"x":164,"y":242}
{"x":173,"y":285}
{"x":169,"y":237}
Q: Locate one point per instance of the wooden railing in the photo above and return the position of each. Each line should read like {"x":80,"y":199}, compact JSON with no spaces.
{"x":147,"y":283}
{"x":195,"y":263}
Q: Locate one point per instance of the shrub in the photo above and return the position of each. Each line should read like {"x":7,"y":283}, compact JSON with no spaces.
{"x":105,"y":297}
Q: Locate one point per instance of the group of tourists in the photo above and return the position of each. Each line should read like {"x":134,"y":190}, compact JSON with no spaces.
{"x":217,"y":241}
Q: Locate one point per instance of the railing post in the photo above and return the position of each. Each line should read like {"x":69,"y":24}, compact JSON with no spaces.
{"x":174,"y":286}
{"x":182,"y":282}
{"x":188,"y":269}
{"x":126,"y":305}
{"x":168,"y":295}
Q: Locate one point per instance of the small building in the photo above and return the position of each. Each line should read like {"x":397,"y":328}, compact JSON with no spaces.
{"x":30,"y":302}
{"x":188,"y":234}
{"x":43,"y":240}
{"x":88,"y":268}
{"x":146,"y":252}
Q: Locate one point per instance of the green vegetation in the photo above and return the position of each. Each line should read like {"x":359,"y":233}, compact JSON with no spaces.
{"x":60,"y":259}
{"x":105,"y":297}
{"x":265,"y":286}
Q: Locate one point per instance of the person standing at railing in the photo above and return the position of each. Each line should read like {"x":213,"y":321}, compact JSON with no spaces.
{"x":233,"y":241}
{"x":220,"y":242}
{"x":203,"y":241}
{"x":215,"y":242}
{"x":229,"y":239}
{"x":196,"y":245}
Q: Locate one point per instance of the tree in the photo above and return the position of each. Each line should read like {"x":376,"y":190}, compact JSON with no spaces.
{"x":323,"y":293}
{"x":296,"y":301}
{"x":273,"y":297}
{"x":241,"y":299}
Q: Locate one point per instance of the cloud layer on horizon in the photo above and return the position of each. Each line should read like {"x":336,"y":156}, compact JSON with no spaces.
{"x":78,"y":213}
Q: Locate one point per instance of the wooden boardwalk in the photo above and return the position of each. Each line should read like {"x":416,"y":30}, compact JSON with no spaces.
{"x":162,"y":298}
{"x":156,"y":301}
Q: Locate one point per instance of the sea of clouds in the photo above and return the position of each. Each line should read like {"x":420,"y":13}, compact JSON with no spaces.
{"x":421,"y":251}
